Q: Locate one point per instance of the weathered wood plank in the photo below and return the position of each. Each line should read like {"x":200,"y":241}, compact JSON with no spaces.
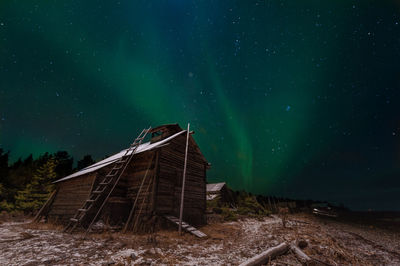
{"x":186,"y":226}
{"x":267,"y":255}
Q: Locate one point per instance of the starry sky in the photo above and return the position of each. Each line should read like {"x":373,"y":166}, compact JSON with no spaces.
{"x":287,"y":98}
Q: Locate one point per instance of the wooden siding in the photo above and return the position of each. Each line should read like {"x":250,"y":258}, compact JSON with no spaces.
{"x":70,"y":197}
{"x":121,"y":200}
{"x":170,"y":182}
{"x":161,"y":191}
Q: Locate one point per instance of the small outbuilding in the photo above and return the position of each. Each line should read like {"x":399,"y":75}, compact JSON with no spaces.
{"x":221,"y":193}
{"x":149,"y":187}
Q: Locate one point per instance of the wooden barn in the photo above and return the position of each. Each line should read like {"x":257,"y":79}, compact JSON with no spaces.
{"x":136,"y":186}
{"x":220,"y":192}
{"x":215,"y":190}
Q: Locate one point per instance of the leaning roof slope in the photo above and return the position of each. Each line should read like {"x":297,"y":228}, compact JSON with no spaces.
{"x":215,"y":187}
{"x":103,"y":163}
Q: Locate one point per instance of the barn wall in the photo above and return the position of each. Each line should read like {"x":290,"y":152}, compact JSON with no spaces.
{"x":171,"y":164}
{"x":121,"y":200}
{"x":72,"y":193}
{"x":70,"y":197}
{"x":162,"y":188}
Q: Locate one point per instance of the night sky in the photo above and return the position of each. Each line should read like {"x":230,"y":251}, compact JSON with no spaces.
{"x":287,"y":98}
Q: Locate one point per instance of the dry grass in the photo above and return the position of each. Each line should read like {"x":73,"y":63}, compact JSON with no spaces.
{"x":15,"y":216}
{"x":43,"y":226}
{"x":227,"y":242}
{"x":322,"y":246}
{"x":221,"y":231}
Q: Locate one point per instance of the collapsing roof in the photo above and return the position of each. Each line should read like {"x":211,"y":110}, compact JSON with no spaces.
{"x":103,"y":163}
{"x":215,"y":187}
{"x":214,"y":190}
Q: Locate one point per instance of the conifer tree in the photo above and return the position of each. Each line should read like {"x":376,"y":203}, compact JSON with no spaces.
{"x":38,"y":190}
{"x":3,"y":166}
{"x":85,"y":162}
{"x":4,"y":205}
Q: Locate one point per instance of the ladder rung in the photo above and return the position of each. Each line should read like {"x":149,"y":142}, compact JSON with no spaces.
{"x":107,"y":180}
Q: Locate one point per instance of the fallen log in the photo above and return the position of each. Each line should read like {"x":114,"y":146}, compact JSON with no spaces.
{"x":300,"y":254}
{"x":267,"y":255}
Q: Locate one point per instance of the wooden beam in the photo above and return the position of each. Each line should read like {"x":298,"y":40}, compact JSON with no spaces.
{"x":45,"y":206}
{"x":183,"y":181}
{"x":155,"y":181}
{"x":137,"y":196}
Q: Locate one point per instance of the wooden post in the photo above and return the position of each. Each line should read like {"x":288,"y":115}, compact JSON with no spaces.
{"x":183,"y":181}
{"x":45,"y":206}
{"x":155,"y":182}
{"x":137,"y":196}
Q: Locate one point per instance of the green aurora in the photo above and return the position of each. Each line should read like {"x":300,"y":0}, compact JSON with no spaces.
{"x":289,"y":98}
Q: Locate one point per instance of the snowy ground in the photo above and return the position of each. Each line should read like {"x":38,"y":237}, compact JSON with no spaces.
{"x":228,"y":243}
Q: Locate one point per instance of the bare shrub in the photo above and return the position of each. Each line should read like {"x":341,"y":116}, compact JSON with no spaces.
{"x":283,"y":213}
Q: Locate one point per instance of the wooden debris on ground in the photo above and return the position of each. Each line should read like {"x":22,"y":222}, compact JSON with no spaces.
{"x":300,"y":254}
{"x":186,"y":226}
{"x":267,"y":255}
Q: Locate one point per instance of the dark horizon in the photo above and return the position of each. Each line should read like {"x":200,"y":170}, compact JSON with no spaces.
{"x":286,"y":98}
{"x":282,"y":196}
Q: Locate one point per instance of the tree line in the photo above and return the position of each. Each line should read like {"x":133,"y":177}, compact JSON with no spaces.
{"x":27,"y":183}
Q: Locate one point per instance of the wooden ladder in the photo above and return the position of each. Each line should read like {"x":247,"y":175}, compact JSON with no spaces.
{"x":110,"y":180}
{"x":134,"y":206}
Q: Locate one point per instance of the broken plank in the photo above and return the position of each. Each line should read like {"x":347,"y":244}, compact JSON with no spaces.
{"x":187,"y":227}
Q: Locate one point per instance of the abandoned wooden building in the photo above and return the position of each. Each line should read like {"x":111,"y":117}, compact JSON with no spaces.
{"x":220,"y":192}
{"x":149,"y":187}
{"x":214,"y":190}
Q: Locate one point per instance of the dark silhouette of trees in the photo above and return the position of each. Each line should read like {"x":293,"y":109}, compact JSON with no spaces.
{"x":85,"y":162}
{"x":26,"y":183}
{"x":65,"y":163}
{"x":36,"y":192}
{"x":3,"y":165}
{"x":4,"y":179}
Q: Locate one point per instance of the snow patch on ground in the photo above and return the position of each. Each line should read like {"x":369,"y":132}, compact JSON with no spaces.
{"x":227,"y":243}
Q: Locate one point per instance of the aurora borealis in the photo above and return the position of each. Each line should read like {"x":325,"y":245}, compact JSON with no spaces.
{"x":289,"y":98}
